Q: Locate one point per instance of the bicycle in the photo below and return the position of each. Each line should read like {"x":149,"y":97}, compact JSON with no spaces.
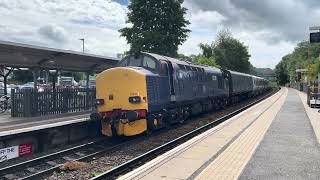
{"x":4,"y":103}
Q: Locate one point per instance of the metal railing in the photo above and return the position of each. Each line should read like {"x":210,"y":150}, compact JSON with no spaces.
{"x":31,"y":103}
{"x":300,"y":86}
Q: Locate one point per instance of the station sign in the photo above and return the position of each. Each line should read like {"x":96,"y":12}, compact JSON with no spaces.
{"x":15,"y":151}
{"x":315,"y":37}
{"x":25,"y":149}
{"x":9,"y":153}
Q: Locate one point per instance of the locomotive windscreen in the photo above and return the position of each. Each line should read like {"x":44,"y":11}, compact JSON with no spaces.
{"x":139,"y":61}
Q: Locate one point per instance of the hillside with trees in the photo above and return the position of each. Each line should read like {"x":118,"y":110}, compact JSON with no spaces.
{"x":304,"y":56}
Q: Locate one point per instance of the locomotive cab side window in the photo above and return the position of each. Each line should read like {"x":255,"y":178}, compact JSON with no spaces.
{"x":149,"y":63}
{"x":123,"y":62}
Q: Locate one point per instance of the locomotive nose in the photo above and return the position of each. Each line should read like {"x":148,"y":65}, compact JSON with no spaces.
{"x":122,"y":90}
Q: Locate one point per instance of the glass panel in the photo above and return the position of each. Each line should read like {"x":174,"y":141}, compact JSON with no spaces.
{"x":164,"y":69}
{"x":123,"y":63}
{"x":135,"y":61}
{"x":148,"y":63}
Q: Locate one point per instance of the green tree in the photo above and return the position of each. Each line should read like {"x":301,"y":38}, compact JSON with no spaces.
{"x":207,"y":50}
{"x":282,"y":75}
{"x":207,"y":61}
{"x":228,"y":52}
{"x":157,"y":26}
{"x":304,"y":56}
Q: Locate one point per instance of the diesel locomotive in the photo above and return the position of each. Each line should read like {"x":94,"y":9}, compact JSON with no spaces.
{"x":146,"y":91}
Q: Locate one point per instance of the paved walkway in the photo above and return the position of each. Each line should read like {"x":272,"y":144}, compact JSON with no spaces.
{"x":289,"y":149}
{"x":9,"y":125}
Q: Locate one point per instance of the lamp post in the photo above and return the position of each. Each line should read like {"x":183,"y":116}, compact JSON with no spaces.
{"x":315,"y":38}
{"x":82,"y":39}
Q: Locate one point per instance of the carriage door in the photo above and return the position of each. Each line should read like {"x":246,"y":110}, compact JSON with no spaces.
{"x":170,"y":75}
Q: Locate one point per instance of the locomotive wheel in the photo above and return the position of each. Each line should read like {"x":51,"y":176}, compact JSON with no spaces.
{"x":183,"y":116}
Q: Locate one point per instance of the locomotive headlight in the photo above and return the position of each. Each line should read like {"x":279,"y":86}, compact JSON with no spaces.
{"x":99,"y":102}
{"x":135,"y":99}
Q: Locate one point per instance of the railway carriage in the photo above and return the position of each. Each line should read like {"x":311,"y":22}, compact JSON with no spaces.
{"x":260,"y":85}
{"x":148,"y":91}
{"x":241,"y":85}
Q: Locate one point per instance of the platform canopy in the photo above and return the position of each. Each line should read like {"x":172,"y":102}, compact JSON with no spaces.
{"x":16,"y":55}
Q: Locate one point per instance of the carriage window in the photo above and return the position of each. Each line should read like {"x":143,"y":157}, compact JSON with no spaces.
{"x":214,"y":77}
{"x":181,"y":66}
{"x":149,"y":63}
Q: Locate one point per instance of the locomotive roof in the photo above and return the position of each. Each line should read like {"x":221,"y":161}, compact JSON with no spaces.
{"x":206,"y":68}
{"x":248,"y":75}
{"x":239,"y":73}
{"x":177,"y":61}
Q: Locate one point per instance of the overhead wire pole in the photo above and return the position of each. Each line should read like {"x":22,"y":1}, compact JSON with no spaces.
{"x":87,"y":78}
{"x":82,"y":39}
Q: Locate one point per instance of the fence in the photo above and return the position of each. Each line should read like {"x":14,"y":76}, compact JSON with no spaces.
{"x":31,"y":103}
{"x":300,"y":86}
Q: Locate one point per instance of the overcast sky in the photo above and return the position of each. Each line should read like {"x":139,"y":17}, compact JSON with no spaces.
{"x":270,"y":28}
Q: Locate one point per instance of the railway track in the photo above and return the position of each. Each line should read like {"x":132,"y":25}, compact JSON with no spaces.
{"x":142,"y":159}
{"x":44,"y":165}
{"x":41,"y":167}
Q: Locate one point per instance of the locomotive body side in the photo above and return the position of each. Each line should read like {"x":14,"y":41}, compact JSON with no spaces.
{"x":147,"y":91}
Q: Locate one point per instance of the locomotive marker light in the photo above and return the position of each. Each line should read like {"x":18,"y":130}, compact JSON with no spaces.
{"x":135,"y":99}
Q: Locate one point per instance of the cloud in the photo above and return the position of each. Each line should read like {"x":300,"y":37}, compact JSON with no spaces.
{"x":205,"y":20}
{"x":265,"y":26}
{"x":54,"y":33}
{"x":270,"y":28}
{"x":286,"y":20}
{"x":60,"y":24}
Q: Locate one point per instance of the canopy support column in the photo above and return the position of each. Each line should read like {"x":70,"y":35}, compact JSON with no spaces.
{"x":5,"y":77}
{"x":87,"y":88}
{"x":35,"y":73}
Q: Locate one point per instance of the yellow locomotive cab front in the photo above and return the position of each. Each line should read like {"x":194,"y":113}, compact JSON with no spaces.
{"x":123,"y":105}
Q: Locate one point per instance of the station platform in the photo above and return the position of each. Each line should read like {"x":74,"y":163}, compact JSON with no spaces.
{"x":10,"y":125}
{"x":277,"y":138}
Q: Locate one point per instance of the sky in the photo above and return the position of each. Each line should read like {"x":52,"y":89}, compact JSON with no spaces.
{"x":270,"y":28}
